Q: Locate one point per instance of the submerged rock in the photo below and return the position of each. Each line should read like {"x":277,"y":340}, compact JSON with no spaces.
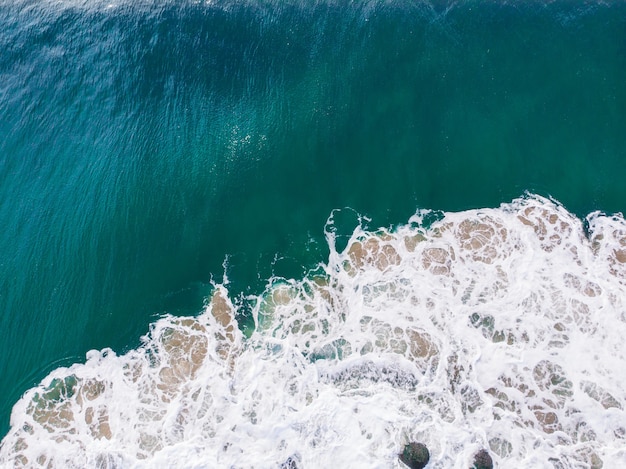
{"x":415,"y":455}
{"x":482,"y":460}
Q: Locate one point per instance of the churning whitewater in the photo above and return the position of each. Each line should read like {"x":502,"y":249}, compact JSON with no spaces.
{"x":499,"y":329}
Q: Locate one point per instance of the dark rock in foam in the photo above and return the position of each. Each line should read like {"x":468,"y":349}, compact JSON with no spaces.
{"x":415,"y":455}
{"x":291,"y":463}
{"x":482,"y":460}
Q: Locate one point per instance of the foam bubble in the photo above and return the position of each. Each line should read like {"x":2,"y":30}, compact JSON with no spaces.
{"x":496,"y":328}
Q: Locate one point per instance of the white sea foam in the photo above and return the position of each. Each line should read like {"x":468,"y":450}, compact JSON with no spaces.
{"x":500,"y":329}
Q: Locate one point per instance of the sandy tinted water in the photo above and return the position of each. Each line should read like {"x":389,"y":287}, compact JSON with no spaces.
{"x":495,"y":329}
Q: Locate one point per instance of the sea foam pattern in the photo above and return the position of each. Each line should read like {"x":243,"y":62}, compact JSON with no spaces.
{"x":497,"y":328}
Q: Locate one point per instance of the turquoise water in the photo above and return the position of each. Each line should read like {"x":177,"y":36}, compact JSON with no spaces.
{"x":148,"y":149}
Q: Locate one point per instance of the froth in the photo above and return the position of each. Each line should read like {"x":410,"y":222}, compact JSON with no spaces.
{"x":498,"y":328}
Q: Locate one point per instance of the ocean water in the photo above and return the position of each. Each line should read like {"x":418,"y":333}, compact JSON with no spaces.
{"x":303,"y":234}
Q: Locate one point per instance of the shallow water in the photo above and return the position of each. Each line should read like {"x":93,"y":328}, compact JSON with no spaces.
{"x":494,"y":328}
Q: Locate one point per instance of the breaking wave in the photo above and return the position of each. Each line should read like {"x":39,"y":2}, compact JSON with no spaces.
{"x":499,"y":328}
